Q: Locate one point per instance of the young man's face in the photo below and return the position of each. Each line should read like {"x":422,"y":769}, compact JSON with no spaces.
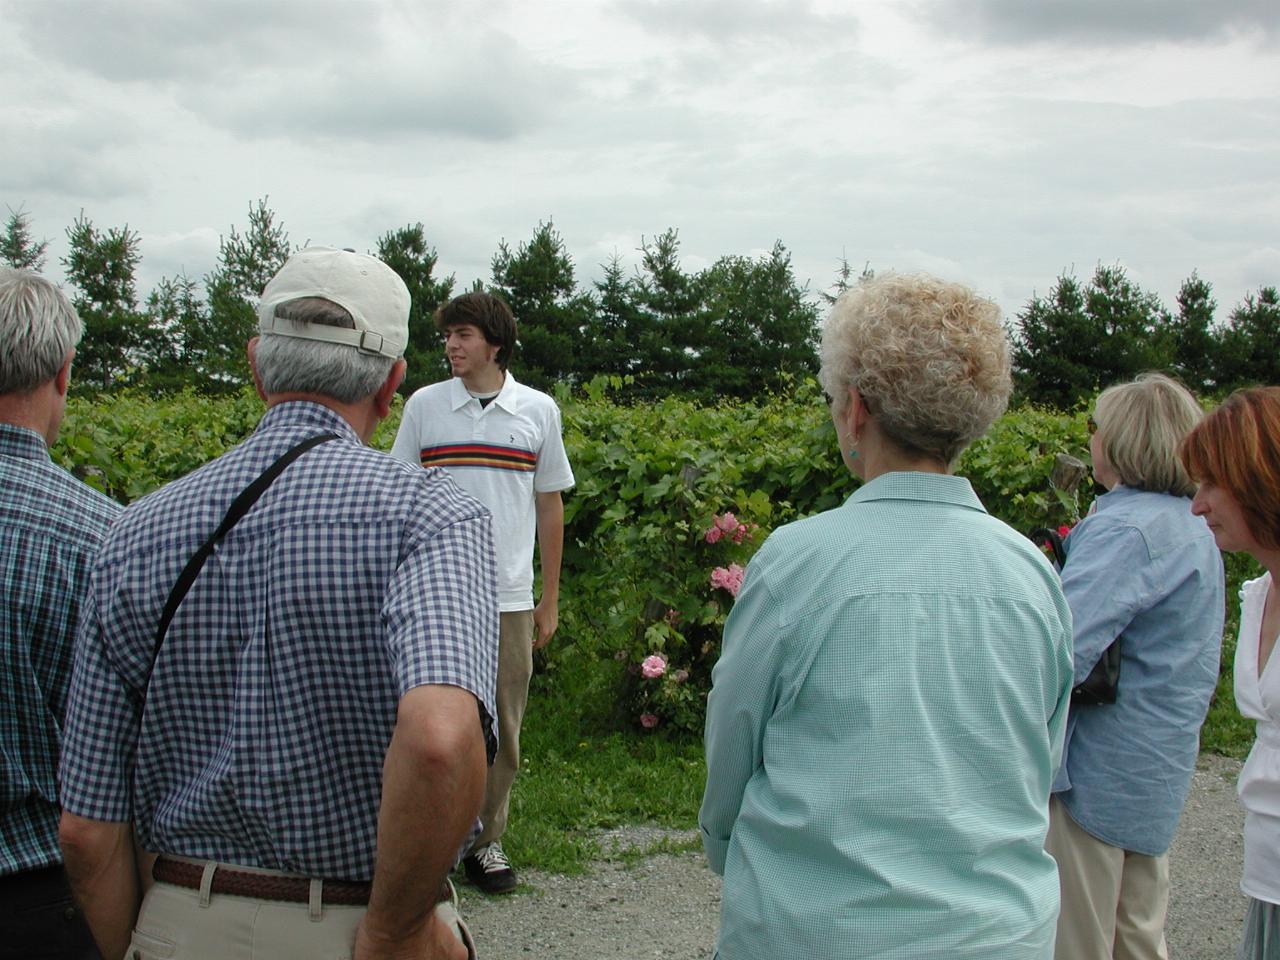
{"x":467,"y":351}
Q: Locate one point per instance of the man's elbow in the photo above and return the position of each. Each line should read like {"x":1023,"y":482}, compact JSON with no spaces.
{"x":454,"y":751}
{"x":88,"y":844}
{"x":442,"y":737}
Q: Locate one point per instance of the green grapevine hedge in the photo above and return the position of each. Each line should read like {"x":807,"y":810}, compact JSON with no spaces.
{"x":671,"y":500}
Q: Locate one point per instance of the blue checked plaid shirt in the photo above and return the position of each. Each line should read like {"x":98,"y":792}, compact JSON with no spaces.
{"x":51,"y":526}
{"x":352,"y":580}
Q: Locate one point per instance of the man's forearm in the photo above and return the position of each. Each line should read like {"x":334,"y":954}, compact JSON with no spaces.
{"x":432,"y":787}
{"x":550,"y":518}
{"x":103,"y":872}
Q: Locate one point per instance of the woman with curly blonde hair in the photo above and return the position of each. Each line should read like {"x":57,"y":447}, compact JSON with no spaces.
{"x":888,"y":708}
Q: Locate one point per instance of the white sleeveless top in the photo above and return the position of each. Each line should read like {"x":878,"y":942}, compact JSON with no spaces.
{"x":1259,"y":786}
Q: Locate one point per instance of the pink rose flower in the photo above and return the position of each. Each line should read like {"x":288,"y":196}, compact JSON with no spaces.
{"x":653,"y":666}
{"x":680,"y":676}
{"x":673,"y":617}
{"x":728,"y":578}
{"x":648,"y":720}
{"x":727,"y":525}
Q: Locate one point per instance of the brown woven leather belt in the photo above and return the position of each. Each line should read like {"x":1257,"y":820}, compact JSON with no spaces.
{"x":262,"y":886}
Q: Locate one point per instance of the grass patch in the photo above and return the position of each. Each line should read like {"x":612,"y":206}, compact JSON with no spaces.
{"x":577,"y":780}
{"x":633,"y":855}
{"x":1225,"y":731}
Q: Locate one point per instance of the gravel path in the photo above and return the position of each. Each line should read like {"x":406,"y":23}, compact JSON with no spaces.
{"x":667,"y":905}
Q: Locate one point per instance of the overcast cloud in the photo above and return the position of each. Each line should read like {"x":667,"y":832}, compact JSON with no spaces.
{"x":1105,"y":23}
{"x":994,"y":141}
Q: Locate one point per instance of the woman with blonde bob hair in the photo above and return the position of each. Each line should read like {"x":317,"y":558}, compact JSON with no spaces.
{"x":1142,"y":571}
{"x":1235,"y":455}
{"x":890,"y":701}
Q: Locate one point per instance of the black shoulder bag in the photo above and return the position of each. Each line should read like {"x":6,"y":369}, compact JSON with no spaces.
{"x":239,"y":507}
{"x":1099,"y":687}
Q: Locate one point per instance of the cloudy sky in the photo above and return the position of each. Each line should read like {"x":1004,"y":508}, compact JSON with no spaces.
{"x":1002,"y":142}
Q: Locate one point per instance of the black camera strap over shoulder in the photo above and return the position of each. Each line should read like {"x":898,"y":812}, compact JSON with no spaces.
{"x":239,"y":507}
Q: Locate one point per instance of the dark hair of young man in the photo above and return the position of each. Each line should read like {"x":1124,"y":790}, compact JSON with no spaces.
{"x":488,"y":313}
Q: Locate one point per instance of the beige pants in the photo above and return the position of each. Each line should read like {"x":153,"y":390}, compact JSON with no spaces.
{"x":515,"y":667}
{"x":177,"y":923}
{"x":1113,"y":900}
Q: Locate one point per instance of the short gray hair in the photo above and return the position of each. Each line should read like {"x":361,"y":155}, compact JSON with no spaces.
{"x":1141,"y":426}
{"x":38,"y":328}
{"x":294,"y":365}
{"x":930,"y":359}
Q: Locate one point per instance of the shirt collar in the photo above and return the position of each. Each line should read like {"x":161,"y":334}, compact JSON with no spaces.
{"x":307,"y":413}
{"x":506,"y":398}
{"x":910,"y":485}
{"x":22,"y":442}
{"x":1116,"y":494}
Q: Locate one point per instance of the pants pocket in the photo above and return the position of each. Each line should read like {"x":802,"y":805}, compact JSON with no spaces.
{"x":146,"y":946}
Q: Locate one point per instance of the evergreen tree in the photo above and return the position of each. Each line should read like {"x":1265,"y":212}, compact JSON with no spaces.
{"x":245,"y":263}
{"x":406,"y":252}
{"x":764,"y":329}
{"x":1193,"y":345}
{"x":674,"y":327}
{"x":1078,"y":340}
{"x":1250,"y":344}
{"x":553,"y":316}
{"x":844,"y":274}
{"x":102,"y":266}
{"x":175,"y":312}
{"x":17,"y":248}
{"x":619,"y":324}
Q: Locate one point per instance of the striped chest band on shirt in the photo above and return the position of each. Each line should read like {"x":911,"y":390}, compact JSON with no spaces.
{"x":490,"y":455}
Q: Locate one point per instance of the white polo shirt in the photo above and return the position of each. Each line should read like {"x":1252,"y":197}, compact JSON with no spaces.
{"x":501,"y":454}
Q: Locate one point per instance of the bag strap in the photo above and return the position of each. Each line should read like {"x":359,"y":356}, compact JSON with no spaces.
{"x":239,"y":507}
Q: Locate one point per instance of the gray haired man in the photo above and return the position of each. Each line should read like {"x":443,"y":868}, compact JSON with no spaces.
{"x":320,"y":690}
{"x":51,"y":526}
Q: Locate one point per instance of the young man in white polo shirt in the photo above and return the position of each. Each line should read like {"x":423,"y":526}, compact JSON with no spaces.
{"x":501,"y":442}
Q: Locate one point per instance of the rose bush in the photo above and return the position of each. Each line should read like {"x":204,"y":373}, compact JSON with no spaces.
{"x":673,"y":499}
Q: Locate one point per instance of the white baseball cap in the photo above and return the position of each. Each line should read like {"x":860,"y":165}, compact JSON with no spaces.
{"x":364,"y":286}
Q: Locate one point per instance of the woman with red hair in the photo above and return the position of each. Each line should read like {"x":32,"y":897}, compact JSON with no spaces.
{"x":1234,"y":454}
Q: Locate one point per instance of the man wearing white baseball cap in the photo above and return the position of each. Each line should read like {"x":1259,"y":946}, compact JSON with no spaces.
{"x":286,"y":664}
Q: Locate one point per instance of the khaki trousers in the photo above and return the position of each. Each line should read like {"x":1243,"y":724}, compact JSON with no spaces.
{"x":1113,"y":900}
{"x":515,"y":667}
{"x":177,"y":923}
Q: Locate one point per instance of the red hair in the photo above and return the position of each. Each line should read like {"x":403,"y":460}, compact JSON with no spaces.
{"x":1237,"y":448}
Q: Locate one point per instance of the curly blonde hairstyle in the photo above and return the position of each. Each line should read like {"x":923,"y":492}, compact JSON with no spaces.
{"x":930,"y":359}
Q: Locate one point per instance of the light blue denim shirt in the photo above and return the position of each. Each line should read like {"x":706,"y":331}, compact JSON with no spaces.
{"x":1142,"y":567}
{"x":882,"y":731}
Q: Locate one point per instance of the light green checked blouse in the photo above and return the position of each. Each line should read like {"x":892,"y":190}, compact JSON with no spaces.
{"x":882,"y":732}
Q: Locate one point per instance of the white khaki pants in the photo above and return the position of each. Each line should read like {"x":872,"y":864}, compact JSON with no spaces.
{"x":1113,"y":900}
{"x":177,"y":923}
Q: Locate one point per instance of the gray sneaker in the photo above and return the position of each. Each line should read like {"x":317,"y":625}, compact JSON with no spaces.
{"x":489,"y":869}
